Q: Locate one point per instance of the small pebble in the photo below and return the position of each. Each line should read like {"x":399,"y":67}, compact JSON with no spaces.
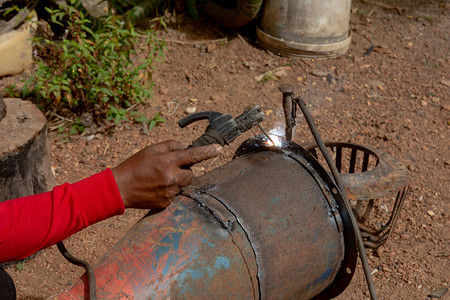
{"x":405,"y":236}
{"x":347,"y":88}
{"x":191,"y":110}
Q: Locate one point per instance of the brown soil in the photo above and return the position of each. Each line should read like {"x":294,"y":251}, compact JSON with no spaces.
{"x":394,"y":99}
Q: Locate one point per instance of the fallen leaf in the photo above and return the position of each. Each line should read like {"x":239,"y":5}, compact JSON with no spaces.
{"x":319,"y":73}
{"x":438,"y":293}
{"x":266,"y":77}
{"x":445,"y":82}
{"x":252,"y":65}
{"x":210,"y":47}
{"x":280,"y":73}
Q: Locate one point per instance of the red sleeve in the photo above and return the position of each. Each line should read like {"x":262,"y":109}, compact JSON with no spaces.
{"x":31,"y":223}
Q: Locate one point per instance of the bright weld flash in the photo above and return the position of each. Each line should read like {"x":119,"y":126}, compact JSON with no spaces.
{"x":276,"y":139}
{"x":276,"y":134}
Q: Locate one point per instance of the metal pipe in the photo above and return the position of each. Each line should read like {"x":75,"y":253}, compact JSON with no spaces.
{"x":339,"y":182}
{"x":265,"y":225}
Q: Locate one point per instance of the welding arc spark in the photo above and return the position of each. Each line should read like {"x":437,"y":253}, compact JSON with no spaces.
{"x":265,"y":133}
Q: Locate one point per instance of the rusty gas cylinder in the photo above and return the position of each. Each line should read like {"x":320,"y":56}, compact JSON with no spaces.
{"x":270,"y":224}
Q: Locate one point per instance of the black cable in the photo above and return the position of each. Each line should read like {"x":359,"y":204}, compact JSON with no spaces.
{"x":337,"y":178}
{"x":7,"y":287}
{"x":82,"y":263}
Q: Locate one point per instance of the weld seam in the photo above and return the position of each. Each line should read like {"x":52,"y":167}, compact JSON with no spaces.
{"x":250,"y":242}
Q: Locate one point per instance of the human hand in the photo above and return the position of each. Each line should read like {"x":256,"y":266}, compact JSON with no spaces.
{"x":152,"y":177}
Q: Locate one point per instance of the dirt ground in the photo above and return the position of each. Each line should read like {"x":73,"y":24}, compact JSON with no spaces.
{"x":395,"y":99}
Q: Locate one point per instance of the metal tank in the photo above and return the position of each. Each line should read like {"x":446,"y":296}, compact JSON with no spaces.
{"x":305,"y":28}
{"x":270,"y":224}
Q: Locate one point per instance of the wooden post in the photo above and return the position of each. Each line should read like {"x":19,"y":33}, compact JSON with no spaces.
{"x":24,"y":151}
{"x":2,"y":108}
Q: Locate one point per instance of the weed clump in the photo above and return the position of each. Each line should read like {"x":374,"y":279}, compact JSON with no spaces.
{"x":104,"y":73}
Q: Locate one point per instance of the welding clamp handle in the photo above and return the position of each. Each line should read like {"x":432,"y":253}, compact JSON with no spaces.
{"x":204,"y":115}
{"x":221,"y":129}
{"x":208,"y":138}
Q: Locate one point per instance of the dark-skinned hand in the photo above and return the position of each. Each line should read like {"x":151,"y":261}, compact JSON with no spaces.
{"x":152,"y":177}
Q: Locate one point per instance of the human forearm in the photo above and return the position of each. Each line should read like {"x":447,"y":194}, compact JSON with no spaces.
{"x":35,"y":222}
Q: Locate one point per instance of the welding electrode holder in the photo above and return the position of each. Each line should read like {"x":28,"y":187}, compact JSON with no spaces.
{"x":289,"y":109}
{"x":223,"y":128}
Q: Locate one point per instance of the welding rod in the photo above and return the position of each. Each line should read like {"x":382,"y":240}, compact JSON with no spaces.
{"x":265,"y":133}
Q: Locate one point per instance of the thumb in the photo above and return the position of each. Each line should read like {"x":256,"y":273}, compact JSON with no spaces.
{"x":194,"y":155}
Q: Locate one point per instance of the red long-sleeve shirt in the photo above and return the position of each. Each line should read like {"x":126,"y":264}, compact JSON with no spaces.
{"x":31,"y":223}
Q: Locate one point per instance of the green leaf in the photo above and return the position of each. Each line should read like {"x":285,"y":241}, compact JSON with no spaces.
{"x":11,"y":9}
{"x":156,"y":120}
{"x":142,"y":118}
{"x":87,"y":29}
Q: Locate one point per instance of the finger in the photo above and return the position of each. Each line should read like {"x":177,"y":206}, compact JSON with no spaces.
{"x":168,"y":146}
{"x":169,"y":194}
{"x":184,"y":178}
{"x":194,"y":155}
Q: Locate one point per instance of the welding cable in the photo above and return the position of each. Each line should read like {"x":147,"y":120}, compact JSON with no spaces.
{"x":82,"y":263}
{"x":337,"y":178}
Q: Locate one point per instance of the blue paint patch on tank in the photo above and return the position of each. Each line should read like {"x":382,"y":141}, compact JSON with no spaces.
{"x":325,"y":276}
{"x":207,"y":242}
{"x":170,"y":261}
{"x":186,"y":287}
{"x":222,"y":262}
{"x":171,"y":243}
{"x":179,"y":212}
{"x":316,"y":235}
{"x":204,"y":274}
{"x":194,"y":274}
{"x":275,"y":225}
{"x":275,"y":199}
{"x":158,"y":253}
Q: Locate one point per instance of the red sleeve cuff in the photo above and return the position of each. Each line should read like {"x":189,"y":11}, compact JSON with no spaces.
{"x":98,"y":197}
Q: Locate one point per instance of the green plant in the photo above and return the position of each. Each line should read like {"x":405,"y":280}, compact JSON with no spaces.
{"x":266,"y":77}
{"x":10,"y":91}
{"x":20,"y":265}
{"x":100,"y":72}
{"x":117,"y":114}
{"x":76,"y":127}
{"x":13,"y":8}
{"x":157,"y":119}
